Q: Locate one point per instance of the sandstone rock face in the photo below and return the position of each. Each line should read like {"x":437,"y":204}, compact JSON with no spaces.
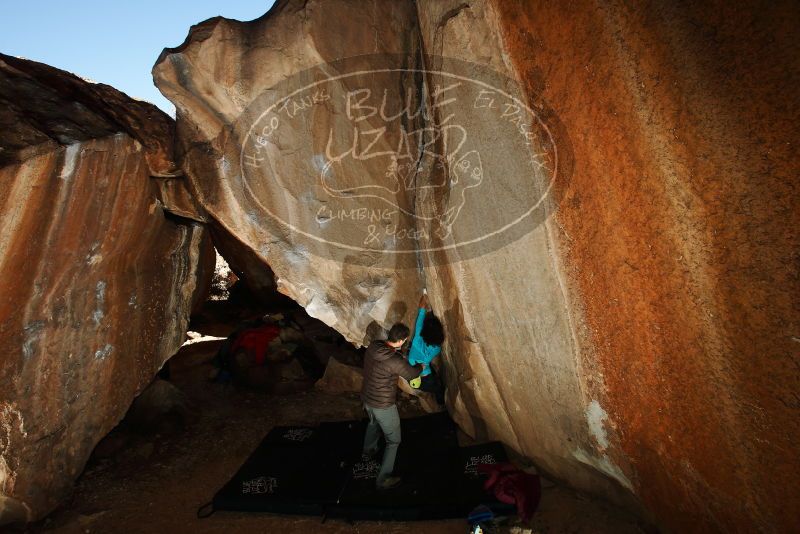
{"x":219,"y":80}
{"x":159,"y":408}
{"x":97,"y":282}
{"x":341,"y":378}
{"x":516,"y":371}
{"x":678,"y":235}
{"x":599,"y":202}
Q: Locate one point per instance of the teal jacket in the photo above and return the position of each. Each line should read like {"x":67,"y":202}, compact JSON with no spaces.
{"x":420,"y":351}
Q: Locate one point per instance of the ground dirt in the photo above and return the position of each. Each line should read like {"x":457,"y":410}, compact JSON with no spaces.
{"x":156,"y":482}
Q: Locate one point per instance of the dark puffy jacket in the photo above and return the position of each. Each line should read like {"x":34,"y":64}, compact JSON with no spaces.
{"x":382,"y":366}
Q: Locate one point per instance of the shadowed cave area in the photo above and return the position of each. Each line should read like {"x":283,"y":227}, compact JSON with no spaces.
{"x":193,"y":417}
{"x":190,"y":429}
{"x":596,"y":200}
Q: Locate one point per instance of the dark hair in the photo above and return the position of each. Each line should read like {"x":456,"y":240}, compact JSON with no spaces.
{"x":398,"y":331}
{"x":432,"y":330}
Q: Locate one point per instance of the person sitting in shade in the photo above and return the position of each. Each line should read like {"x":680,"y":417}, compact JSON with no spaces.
{"x":426,"y":345}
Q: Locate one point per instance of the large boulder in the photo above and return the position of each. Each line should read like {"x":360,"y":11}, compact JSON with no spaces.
{"x":160,"y":408}
{"x":97,"y":280}
{"x":341,"y":378}
{"x":599,"y":202}
{"x":677,"y":244}
{"x":222,"y":81}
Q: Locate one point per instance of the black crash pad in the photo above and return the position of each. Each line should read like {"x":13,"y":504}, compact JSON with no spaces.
{"x":289,"y":475}
{"x":440,"y":484}
{"x":319,"y":471}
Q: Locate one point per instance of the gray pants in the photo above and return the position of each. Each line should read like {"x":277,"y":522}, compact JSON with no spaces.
{"x":388,"y":421}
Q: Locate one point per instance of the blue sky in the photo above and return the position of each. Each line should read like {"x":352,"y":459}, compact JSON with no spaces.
{"x":112,"y":41}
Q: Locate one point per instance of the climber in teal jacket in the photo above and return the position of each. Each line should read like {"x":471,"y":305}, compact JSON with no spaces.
{"x":427,"y":345}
